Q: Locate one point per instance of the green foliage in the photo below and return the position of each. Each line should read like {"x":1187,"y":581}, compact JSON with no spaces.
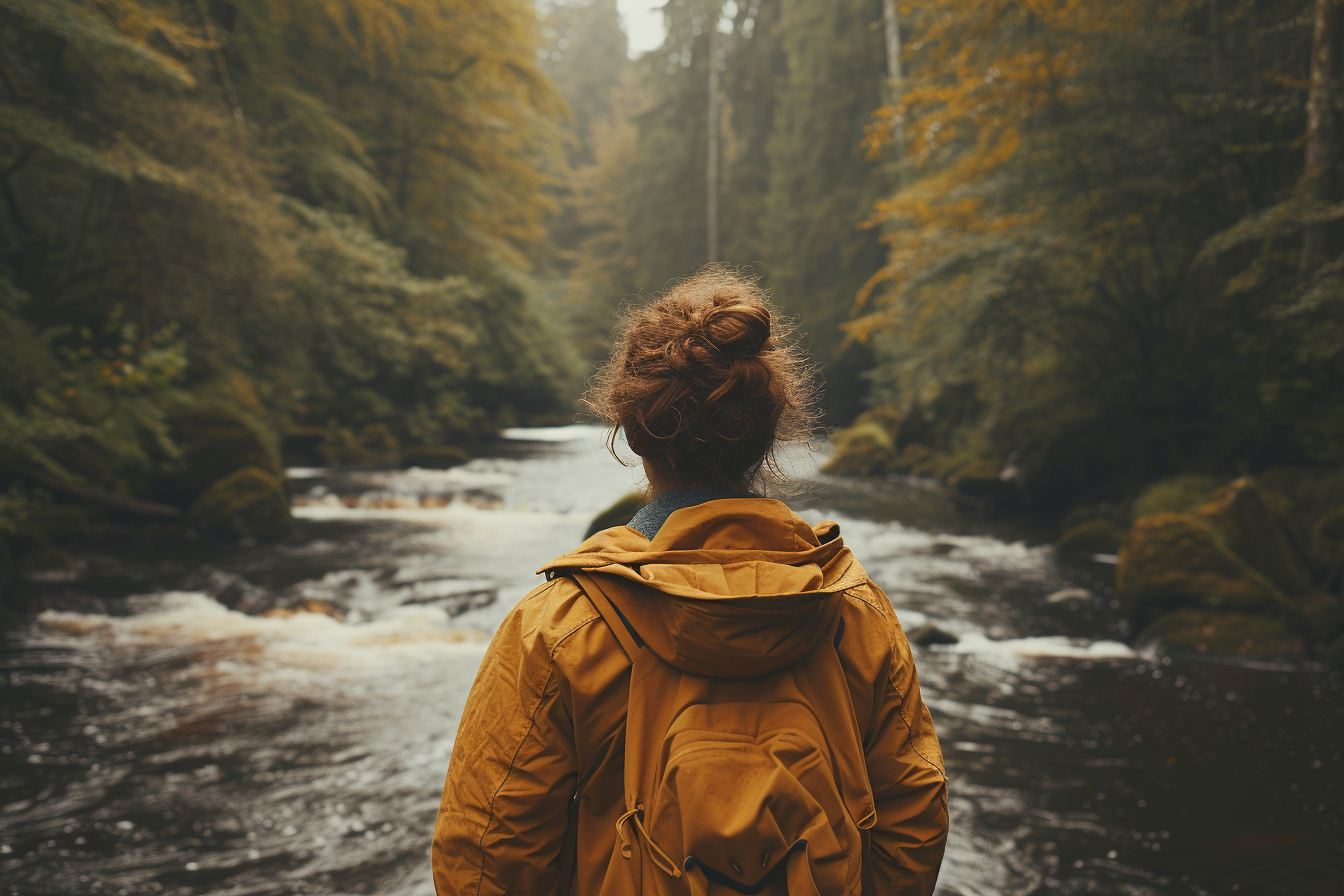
{"x":1179,"y":494}
{"x":816,"y":256}
{"x":325,"y":206}
{"x":1099,"y":234}
{"x":799,"y":81}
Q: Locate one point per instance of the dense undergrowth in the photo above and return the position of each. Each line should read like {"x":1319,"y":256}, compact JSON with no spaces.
{"x":232,"y":229}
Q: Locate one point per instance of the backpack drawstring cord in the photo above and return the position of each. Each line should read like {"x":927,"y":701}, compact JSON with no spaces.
{"x":660,"y":858}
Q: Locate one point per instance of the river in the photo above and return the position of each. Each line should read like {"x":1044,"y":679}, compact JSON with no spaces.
{"x":154,"y":741}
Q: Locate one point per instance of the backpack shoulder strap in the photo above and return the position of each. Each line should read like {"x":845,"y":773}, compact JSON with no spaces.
{"x":625,"y":633}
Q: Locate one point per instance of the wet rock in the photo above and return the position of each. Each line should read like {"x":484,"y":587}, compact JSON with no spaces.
{"x":247,"y":503}
{"x":1175,"y":560}
{"x":863,"y":448}
{"x":1240,"y":513}
{"x":434,"y":457}
{"x":1096,"y":536}
{"x":930,"y":634}
{"x":617,"y":514}
{"x":1068,"y":595}
{"x":230,"y":589}
{"x":1179,"y":494}
{"x":976,"y":479}
{"x":1221,"y":633}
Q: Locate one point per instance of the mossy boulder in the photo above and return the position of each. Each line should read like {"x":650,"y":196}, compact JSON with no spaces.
{"x":434,"y":457}
{"x":1327,"y":548}
{"x":863,"y":448}
{"x":1095,"y":536}
{"x":976,"y":479}
{"x":911,"y":458}
{"x":1222,"y":633}
{"x":1172,"y":560}
{"x":1334,"y":654}
{"x":1319,"y":615}
{"x":215,"y":440}
{"x":1241,"y":513}
{"x":1179,"y":494}
{"x":247,"y":503}
{"x":617,"y":514}
{"x":885,"y":416}
{"x":928,"y":635}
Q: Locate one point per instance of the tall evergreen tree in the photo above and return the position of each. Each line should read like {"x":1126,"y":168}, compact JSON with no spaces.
{"x":821,"y":185}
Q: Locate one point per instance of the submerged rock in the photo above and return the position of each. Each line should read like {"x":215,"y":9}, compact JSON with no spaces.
{"x":930,"y":634}
{"x":1069,"y":595}
{"x":1241,"y":514}
{"x":247,"y":503}
{"x":1223,"y":633}
{"x":1175,"y":560}
{"x":1095,"y":536}
{"x":617,"y":514}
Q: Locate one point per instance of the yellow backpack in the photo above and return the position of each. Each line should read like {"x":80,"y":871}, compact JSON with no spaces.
{"x":736,"y":785}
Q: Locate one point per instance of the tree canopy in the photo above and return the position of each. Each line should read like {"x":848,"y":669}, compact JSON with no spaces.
{"x":304,"y":214}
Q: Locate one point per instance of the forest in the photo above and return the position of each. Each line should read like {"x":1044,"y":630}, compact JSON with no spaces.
{"x":1057,"y":253}
{"x":235,"y":228}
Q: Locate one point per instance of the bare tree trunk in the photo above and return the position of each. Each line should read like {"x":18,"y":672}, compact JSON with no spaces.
{"x":712,"y":162}
{"x":891,"y":18}
{"x":1320,"y":137}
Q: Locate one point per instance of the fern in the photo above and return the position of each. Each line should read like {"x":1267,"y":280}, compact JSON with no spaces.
{"x":83,"y":28}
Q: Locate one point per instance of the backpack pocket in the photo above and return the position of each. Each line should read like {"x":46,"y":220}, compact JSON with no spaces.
{"x":747,"y":800}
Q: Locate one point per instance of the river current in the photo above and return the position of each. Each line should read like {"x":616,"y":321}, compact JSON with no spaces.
{"x":161,"y":735}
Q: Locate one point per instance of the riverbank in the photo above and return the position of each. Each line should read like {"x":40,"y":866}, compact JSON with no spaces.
{"x":1252,"y":567}
{"x":167,"y":743}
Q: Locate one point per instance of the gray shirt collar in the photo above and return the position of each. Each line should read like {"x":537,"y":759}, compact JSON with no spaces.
{"x":652,"y":515}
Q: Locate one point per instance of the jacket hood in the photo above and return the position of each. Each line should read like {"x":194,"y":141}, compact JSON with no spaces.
{"x":731,"y":588}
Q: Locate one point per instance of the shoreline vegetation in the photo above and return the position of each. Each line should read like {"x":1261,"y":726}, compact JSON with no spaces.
{"x":235,"y":233}
{"x":1081,"y":261}
{"x":1251,"y":566}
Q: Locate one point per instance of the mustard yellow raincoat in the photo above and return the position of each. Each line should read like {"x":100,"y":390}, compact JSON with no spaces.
{"x":535,"y":785}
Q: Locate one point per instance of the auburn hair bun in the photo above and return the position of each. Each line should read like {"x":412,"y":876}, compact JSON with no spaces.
{"x":736,"y":328}
{"x":704,"y":382}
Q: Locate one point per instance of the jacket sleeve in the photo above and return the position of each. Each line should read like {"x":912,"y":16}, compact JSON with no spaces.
{"x":504,"y":813}
{"x":905,"y":769}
